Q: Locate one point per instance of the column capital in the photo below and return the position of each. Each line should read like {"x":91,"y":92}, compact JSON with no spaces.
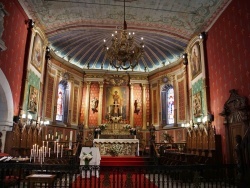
{"x":101,"y":84}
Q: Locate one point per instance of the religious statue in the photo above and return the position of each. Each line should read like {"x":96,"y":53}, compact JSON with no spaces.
{"x":94,"y":105}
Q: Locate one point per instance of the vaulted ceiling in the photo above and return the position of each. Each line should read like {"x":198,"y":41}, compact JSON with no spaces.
{"x":76,"y":28}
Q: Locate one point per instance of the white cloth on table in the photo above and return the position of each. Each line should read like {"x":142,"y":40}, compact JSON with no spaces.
{"x":94,"y":161}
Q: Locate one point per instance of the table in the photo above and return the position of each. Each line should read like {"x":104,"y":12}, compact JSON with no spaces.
{"x":41,"y":178}
{"x":94,"y":161}
{"x":128,"y":147}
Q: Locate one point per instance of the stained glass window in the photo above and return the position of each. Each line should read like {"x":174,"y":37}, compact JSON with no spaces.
{"x":167,"y":101}
{"x":170,"y":106}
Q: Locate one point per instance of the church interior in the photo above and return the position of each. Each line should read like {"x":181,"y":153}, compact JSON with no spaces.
{"x":73,"y":76}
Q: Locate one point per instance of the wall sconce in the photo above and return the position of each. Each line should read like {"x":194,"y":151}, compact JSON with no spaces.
{"x":202,"y":35}
{"x":137,"y":107}
{"x":184,"y":57}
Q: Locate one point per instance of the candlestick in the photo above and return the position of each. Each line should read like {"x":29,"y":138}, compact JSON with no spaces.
{"x":71,"y":136}
{"x":54,"y":146}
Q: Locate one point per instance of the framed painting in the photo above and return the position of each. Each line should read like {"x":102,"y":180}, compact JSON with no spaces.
{"x":197,"y":108}
{"x":33,"y":99}
{"x":116,"y":101}
{"x":37,"y":53}
{"x":195,"y":60}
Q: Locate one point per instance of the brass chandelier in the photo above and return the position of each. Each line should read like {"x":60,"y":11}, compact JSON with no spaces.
{"x":123,"y":52}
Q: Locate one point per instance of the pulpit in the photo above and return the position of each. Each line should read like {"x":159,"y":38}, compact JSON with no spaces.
{"x":95,"y":161}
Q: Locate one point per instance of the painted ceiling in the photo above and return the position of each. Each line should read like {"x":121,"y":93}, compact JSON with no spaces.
{"x":76,"y":28}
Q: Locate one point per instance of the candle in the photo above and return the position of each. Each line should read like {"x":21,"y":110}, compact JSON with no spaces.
{"x":71,"y":136}
{"x":66,"y":137}
{"x":62,"y":151}
{"x":45,"y":137}
{"x":57,"y":152}
{"x":49,"y":151}
{"x":45,"y":149}
{"x":52,"y":137}
{"x":47,"y":146}
{"x":49,"y":136}
{"x":43,"y":143}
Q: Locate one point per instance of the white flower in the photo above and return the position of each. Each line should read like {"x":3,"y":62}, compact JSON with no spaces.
{"x":87,"y":157}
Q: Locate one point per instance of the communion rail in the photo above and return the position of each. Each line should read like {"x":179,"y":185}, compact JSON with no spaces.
{"x":75,"y":176}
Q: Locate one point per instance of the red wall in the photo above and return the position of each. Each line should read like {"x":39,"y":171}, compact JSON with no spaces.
{"x":228,"y":58}
{"x":12,"y":59}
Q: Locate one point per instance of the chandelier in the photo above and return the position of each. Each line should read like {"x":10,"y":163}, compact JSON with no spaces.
{"x":124,"y":53}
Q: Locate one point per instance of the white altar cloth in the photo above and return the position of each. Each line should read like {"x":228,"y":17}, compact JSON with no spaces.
{"x":95,"y":160}
{"x":126,"y":141}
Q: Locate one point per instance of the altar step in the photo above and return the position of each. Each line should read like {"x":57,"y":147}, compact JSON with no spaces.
{"x":126,"y":161}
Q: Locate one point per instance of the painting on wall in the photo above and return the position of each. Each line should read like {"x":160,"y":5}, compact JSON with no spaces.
{"x":33,"y":99}
{"x":195,"y":60}
{"x":197,"y":108}
{"x":116,"y":101}
{"x":37,"y":53}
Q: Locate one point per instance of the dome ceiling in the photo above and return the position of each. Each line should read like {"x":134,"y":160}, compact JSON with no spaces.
{"x":76,"y":28}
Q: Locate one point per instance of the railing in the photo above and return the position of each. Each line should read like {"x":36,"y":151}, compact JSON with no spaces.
{"x":75,"y":176}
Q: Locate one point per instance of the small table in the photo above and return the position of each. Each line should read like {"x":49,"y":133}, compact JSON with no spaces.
{"x":41,"y":178}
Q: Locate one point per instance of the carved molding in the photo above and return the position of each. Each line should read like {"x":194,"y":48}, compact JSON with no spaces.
{"x":3,"y":13}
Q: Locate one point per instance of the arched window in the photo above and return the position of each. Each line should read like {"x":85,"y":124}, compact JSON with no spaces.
{"x":167,"y":101}
{"x":62,"y":101}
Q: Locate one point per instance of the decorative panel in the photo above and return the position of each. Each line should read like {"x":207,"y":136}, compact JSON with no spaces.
{"x":74,"y":115}
{"x":49,"y":100}
{"x":181,"y":99}
{"x":155,"y":111}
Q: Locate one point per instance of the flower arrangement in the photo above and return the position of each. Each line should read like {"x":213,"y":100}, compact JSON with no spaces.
{"x":87,"y":157}
{"x":132,"y":131}
{"x":127,"y":126}
{"x":103,"y":126}
{"x":167,"y":137}
{"x":116,"y":149}
{"x":98,"y":131}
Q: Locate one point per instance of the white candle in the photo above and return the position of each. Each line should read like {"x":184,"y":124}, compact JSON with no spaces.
{"x":71,"y":136}
{"x":49,"y":151}
{"x":45,"y":137}
{"x":66,"y":138}
{"x":49,"y":136}
{"x":52,"y":137}
{"x":45,"y":149}
{"x":47,"y":146}
{"x":43,"y":143}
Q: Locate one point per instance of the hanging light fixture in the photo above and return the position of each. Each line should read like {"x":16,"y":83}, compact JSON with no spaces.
{"x":124,"y":53}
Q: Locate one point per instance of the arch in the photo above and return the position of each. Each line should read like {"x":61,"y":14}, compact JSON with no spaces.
{"x":6,"y":102}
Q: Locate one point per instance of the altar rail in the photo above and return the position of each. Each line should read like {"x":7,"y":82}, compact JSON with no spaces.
{"x":14,"y":174}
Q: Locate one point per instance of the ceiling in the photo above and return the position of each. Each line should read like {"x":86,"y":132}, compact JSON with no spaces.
{"x":76,"y":28}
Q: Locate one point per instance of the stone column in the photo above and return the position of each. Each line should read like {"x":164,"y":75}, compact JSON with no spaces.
{"x":144,"y":107}
{"x":100,"y":103}
{"x":131,"y":105}
{"x":86,"y":123}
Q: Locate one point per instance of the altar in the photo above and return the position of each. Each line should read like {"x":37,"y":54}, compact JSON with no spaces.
{"x":117,"y":147}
